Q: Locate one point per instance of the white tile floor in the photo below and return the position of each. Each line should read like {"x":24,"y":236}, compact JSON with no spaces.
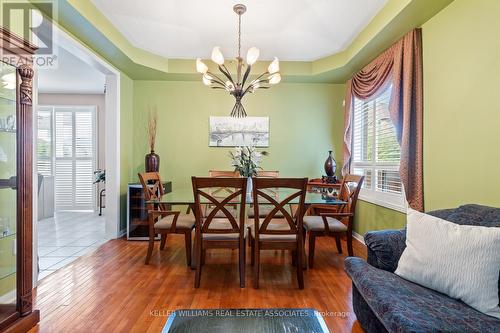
{"x":67,"y":236}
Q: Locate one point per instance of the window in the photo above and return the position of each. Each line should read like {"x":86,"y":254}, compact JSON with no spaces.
{"x":66,"y":149}
{"x":376,"y":152}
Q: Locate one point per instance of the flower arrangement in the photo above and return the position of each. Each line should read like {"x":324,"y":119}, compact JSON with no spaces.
{"x":246,"y":160}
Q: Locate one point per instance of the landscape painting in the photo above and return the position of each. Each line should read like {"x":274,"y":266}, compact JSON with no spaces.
{"x":233,"y":132}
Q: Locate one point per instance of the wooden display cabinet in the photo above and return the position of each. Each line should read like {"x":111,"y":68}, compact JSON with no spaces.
{"x":16,"y":185}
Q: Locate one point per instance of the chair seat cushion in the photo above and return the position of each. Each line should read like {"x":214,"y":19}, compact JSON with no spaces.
{"x":264,"y":210}
{"x":220,"y":223}
{"x":184,"y":221}
{"x":315,"y":223}
{"x":275,"y":225}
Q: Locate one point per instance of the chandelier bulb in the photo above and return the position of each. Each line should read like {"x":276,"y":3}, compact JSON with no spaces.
{"x":201,"y":67}
{"x":207,"y":79}
{"x":252,"y":55}
{"x":275,"y":78}
{"x":274,"y":66}
{"x":217,"y":56}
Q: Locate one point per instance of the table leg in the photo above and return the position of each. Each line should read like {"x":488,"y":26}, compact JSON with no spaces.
{"x":194,"y":252}
{"x":304,"y":256}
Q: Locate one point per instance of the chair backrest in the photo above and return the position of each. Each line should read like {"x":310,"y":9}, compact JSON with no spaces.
{"x":268,"y":174}
{"x":349,"y":191}
{"x":261,"y":195}
{"x":151,"y":184}
{"x":223,"y":174}
{"x":202,"y":188}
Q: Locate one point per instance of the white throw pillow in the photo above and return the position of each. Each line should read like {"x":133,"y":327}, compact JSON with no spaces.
{"x":461,"y":261}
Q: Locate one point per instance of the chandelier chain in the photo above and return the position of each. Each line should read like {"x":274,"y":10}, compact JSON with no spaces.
{"x":239,"y":35}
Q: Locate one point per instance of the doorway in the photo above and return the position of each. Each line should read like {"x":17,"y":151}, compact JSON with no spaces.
{"x":82,"y":117}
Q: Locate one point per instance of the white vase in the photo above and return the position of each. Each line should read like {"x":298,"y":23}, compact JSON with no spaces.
{"x":249,"y":189}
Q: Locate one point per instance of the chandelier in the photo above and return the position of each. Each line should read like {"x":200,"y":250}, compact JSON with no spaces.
{"x":239,"y":86}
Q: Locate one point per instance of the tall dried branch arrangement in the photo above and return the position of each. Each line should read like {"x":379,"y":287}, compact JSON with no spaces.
{"x":152,"y":124}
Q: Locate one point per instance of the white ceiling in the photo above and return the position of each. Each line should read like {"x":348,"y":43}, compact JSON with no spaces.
{"x":72,"y":75}
{"x":289,"y":29}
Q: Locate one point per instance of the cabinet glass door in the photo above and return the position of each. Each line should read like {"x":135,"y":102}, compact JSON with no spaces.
{"x":8,"y":206}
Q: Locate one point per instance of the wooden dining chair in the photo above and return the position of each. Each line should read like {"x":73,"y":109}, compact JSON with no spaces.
{"x":220,"y":192}
{"x":268,"y":174}
{"x":163,"y":220}
{"x":336,"y":224}
{"x":264,"y":208}
{"x":272,"y":233}
{"x":213,"y":232}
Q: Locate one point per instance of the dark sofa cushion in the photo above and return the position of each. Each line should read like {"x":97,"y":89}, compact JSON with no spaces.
{"x":403,"y":306}
{"x":385,"y":247}
{"x":473,"y":215}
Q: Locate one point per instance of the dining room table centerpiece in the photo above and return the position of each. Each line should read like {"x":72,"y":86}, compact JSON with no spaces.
{"x":246,"y":161}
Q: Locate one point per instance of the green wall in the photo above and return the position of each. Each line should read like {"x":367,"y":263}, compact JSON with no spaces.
{"x":461,"y":52}
{"x":304,"y":122}
{"x":462,"y":116}
{"x":374,"y":217}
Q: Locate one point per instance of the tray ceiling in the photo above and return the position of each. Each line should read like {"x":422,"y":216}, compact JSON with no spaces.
{"x":298,"y":30}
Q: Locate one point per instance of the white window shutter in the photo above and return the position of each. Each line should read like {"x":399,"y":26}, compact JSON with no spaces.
{"x":376,"y":151}
{"x":75,"y":157}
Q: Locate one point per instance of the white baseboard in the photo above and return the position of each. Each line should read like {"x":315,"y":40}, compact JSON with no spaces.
{"x":358,"y":237}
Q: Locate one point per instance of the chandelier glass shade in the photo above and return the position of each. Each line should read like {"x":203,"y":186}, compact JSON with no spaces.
{"x":239,"y":85}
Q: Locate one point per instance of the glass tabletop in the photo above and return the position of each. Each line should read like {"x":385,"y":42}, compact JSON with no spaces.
{"x":185,"y":196}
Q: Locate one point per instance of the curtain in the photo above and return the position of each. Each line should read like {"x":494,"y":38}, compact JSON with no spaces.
{"x":400,"y":65}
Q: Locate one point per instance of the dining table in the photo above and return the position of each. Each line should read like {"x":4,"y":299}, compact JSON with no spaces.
{"x":185,"y":197}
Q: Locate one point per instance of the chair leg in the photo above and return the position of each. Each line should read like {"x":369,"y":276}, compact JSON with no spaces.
{"x":163,"y":241}
{"x":294,"y":257}
{"x":150,"y":247}
{"x":256,"y":266}
{"x":242,"y":262}
{"x":197,"y":276}
{"x":312,"y":245}
{"x":339,"y":244}
{"x":300,"y":269}
{"x":187,"y":243}
{"x":349,"y":245}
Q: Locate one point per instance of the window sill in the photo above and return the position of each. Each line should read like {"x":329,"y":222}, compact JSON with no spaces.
{"x":397,"y":203}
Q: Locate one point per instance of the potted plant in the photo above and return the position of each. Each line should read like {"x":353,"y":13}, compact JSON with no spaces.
{"x":246,"y":161}
{"x":100,"y":177}
{"x":152,"y":160}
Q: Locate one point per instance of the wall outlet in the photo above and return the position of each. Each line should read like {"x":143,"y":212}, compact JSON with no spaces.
{"x":14,"y":247}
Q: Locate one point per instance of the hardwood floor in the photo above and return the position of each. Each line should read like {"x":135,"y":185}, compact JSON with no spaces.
{"x":111,"y":290}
